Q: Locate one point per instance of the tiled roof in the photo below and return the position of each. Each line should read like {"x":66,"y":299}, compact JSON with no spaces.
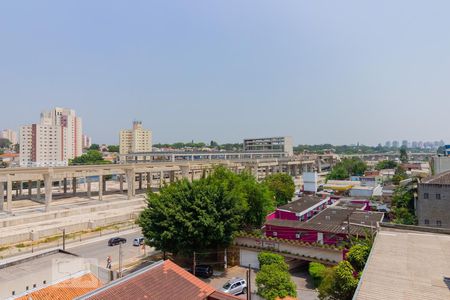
{"x":65,"y":290}
{"x":162,"y":281}
{"x":443,"y":178}
{"x":302,"y":204}
{"x":334,"y":220}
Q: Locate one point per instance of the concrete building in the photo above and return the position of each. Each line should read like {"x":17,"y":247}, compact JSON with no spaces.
{"x":275,"y":144}
{"x":136,"y":140}
{"x":53,"y":141}
{"x":440,"y":164}
{"x":9,"y":134}
{"x":87,"y":142}
{"x":433,"y":203}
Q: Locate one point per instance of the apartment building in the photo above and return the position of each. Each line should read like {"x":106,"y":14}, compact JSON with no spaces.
{"x":53,"y":141}
{"x":10,"y":135}
{"x":135,"y":140}
{"x":275,"y":144}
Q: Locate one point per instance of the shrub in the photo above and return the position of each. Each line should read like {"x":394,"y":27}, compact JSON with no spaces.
{"x":316,"y":270}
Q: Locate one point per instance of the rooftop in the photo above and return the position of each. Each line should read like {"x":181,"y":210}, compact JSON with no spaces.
{"x":301,"y":204}
{"x":407,"y":264}
{"x":334,"y":220}
{"x":163,"y":280}
{"x":443,"y":178}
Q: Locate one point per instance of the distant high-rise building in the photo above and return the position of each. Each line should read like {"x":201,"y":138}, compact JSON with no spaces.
{"x":405,"y":143}
{"x":271,"y":144}
{"x":9,"y":134}
{"x":87,"y":142}
{"x":395,"y":144}
{"x":135,"y":140}
{"x":420,"y":145}
{"x":53,"y":141}
{"x":387,"y":144}
{"x":414,"y":144}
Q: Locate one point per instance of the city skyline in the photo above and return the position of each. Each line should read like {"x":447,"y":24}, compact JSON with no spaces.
{"x":225,"y":71}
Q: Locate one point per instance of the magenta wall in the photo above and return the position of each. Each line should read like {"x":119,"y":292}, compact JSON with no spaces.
{"x":285,"y":215}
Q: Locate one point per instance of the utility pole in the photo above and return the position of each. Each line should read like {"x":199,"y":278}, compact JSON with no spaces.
{"x":194,"y":263}
{"x":249,"y":283}
{"x":225,"y":259}
{"x":120,"y":260}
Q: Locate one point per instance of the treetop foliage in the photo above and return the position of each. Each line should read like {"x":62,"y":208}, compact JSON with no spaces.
{"x":92,"y":157}
{"x":346,"y":168}
{"x":282,"y":186}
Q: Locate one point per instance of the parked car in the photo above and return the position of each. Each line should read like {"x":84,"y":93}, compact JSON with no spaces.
{"x":235,"y":286}
{"x":116,"y":241}
{"x":204,"y":271}
{"x":138,"y":241}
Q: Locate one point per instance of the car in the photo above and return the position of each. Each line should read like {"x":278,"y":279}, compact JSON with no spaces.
{"x":138,"y":241}
{"x":116,"y":241}
{"x":204,"y":271}
{"x":235,"y":286}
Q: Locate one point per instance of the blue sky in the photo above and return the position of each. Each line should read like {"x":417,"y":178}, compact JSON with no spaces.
{"x":321,"y":71}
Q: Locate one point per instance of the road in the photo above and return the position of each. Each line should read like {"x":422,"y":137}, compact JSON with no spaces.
{"x":100,"y":250}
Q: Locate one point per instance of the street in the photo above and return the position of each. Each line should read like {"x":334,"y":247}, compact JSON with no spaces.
{"x":100,"y":250}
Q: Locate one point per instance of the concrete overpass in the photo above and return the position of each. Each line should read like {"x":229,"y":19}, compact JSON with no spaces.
{"x":132,"y":174}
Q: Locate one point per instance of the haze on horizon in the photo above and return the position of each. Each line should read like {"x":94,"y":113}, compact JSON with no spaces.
{"x":337,"y":72}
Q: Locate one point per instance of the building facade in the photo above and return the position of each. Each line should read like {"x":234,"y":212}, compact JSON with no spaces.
{"x":53,"y":141}
{"x":433,"y":202}
{"x":135,"y":140}
{"x":10,"y":135}
{"x":87,"y":142}
{"x":275,"y":144}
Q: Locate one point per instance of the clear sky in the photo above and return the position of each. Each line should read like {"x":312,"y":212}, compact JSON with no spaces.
{"x":321,"y":71}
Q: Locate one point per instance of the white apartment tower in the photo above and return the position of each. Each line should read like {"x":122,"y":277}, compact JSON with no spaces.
{"x":135,"y":140}
{"x":52,"y":142}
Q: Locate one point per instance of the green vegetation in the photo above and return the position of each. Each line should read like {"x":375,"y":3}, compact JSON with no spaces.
{"x":212,"y":144}
{"x":403,"y":155}
{"x":317,"y":272}
{"x":92,"y":157}
{"x":357,"y":256}
{"x":4,"y":143}
{"x":346,"y":168}
{"x":274,"y":280}
{"x":95,"y":147}
{"x":400,"y":174}
{"x":204,"y":214}
{"x":403,"y":206}
{"x":386,"y":164}
{"x":113,"y":148}
{"x":282,"y":186}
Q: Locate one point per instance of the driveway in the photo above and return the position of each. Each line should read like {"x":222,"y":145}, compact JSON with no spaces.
{"x":305,"y":289}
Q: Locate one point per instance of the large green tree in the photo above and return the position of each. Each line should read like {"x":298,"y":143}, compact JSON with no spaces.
{"x":403,"y":155}
{"x":192,"y":216}
{"x":386,"y":164}
{"x":282,"y":186}
{"x":346,"y":168}
{"x":358,"y":255}
{"x":113,"y":148}
{"x":92,"y":157}
{"x":339,"y":284}
{"x":274,"y":280}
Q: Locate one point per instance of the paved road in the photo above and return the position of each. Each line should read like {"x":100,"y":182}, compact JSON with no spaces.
{"x":100,"y":250}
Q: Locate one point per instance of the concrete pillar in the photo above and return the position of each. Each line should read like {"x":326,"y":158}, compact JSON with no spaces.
{"x":74,"y":185}
{"x":48,"y":184}
{"x":20,"y":187}
{"x":140,"y":181}
{"x":30,"y":186}
{"x":121,"y":183}
{"x":130,"y":183}
{"x":161,"y":179}
{"x":65,"y":185}
{"x":88,"y":181}
{"x":172,"y":176}
{"x":2,"y":195}
{"x":104,"y":184}
{"x":100,"y":187}
{"x":38,"y":190}
{"x":149,"y":180}
{"x":9,"y":185}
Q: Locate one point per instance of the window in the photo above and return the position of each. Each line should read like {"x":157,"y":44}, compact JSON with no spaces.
{"x":438,"y":223}
{"x":274,"y":233}
{"x":438,"y":196}
{"x":427,"y":222}
{"x":425,"y":196}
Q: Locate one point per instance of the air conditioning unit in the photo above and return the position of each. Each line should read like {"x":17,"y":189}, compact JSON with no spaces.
{"x":297,"y":235}
{"x":274,"y":233}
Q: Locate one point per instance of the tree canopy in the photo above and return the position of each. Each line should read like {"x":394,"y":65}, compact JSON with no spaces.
{"x":358,"y":255}
{"x":4,"y":143}
{"x":192,"y":216}
{"x":282,"y":186}
{"x":346,"y":168}
{"x":386,"y":164}
{"x":403,"y":155}
{"x":113,"y":148}
{"x":95,"y":147}
{"x":273,"y":280}
{"x":92,"y":157}
{"x":339,"y":283}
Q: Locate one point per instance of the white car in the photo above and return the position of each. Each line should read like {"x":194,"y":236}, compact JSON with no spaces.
{"x":235,"y":286}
